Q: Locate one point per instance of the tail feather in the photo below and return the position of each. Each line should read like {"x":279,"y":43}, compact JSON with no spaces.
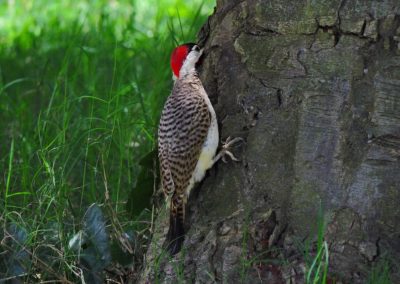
{"x":175,"y":236}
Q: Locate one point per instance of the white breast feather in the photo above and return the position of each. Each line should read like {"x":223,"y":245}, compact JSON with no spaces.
{"x":208,"y":150}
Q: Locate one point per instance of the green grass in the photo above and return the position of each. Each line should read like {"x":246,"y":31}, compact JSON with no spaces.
{"x":317,"y":264}
{"x":81,"y":89}
{"x":318,"y":269}
{"x":381,"y":271}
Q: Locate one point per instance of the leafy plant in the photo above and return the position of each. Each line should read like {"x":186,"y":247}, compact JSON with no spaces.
{"x":93,"y":245}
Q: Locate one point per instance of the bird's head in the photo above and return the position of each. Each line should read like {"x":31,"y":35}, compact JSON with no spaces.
{"x":184,"y":58}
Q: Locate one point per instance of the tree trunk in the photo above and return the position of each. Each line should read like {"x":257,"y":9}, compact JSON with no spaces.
{"x":314,"y":88}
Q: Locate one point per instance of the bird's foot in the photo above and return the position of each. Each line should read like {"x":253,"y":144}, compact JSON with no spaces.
{"x":226,"y":146}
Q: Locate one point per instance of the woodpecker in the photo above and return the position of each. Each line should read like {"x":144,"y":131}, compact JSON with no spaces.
{"x":187,"y":139}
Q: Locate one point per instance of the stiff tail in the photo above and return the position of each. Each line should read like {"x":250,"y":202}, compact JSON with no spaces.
{"x":176,"y":232}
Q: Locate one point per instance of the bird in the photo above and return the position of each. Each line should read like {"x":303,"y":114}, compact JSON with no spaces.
{"x":188,"y":139}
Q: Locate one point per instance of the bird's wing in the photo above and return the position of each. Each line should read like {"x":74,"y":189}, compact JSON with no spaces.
{"x":184,"y":125}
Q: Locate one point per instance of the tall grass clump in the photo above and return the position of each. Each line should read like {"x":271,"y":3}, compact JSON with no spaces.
{"x":317,"y":263}
{"x":82,"y":84}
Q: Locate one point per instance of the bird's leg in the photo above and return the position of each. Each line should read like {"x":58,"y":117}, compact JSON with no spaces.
{"x":225,"y":150}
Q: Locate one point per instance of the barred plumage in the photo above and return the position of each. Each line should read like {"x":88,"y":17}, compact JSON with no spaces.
{"x":187,"y":142}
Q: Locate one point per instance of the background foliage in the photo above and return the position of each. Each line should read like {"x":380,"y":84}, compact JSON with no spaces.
{"x":82,"y":84}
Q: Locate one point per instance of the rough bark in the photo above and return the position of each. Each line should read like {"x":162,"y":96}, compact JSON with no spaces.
{"x":314,"y":88}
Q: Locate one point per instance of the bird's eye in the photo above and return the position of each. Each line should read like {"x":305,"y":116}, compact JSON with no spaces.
{"x":196,"y":48}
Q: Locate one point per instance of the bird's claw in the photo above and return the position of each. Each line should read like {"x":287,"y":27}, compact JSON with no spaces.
{"x":227,"y":145}
{"x":228,"y":153}
{"x":229,"y":141}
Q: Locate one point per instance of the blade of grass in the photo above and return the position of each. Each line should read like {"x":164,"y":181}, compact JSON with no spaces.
{"x":10,"y":167}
